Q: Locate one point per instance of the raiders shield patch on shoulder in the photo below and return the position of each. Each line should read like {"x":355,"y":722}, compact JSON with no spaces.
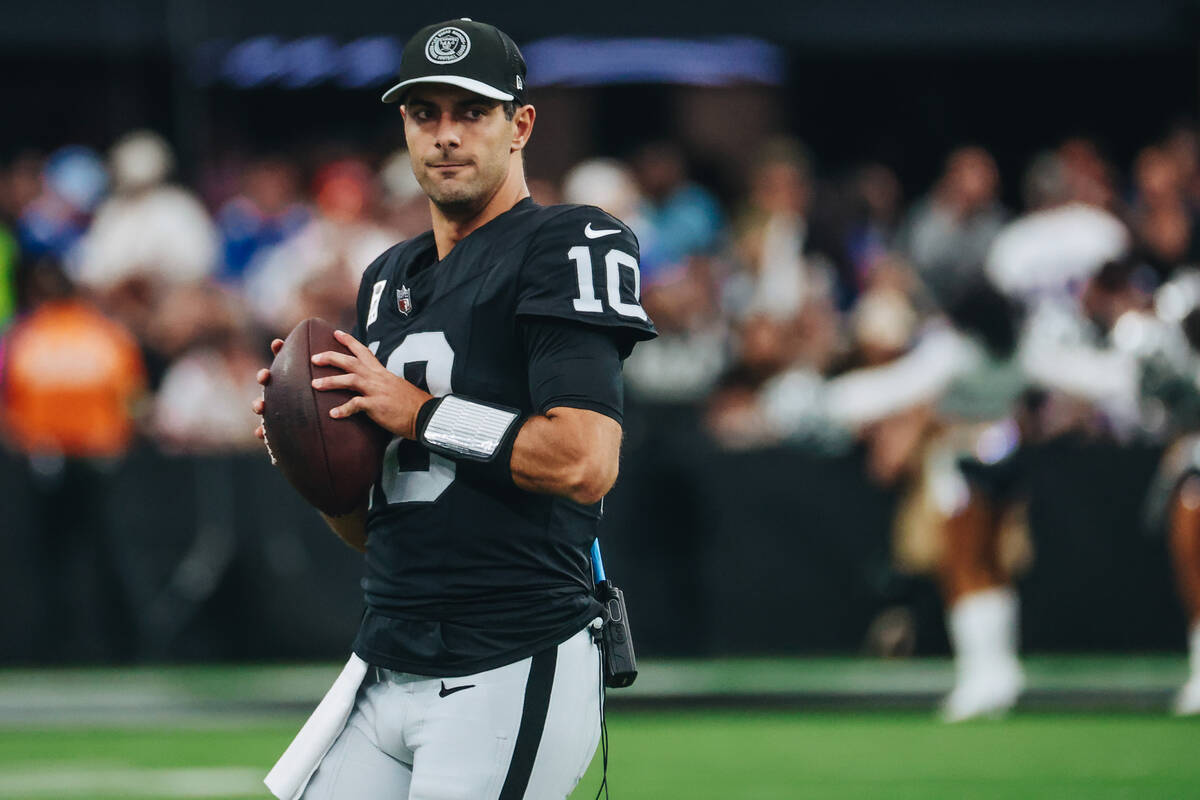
{"x":404,"y":300}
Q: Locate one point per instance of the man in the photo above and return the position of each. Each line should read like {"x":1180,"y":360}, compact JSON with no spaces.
{"x":483,"y":678}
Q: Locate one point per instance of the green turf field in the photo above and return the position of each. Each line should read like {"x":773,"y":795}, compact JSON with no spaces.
{"x":1091,"y":727}
{"x":690,"y":754}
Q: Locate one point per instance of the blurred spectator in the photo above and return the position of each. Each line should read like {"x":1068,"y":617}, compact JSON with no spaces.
{"x":1183,"y":144}
{"x":882,"y":324}
{"x":148,"y":230}
{"x":1051,"y":251}
{"x":948,"y":233}
{"x":23,"y":185}
{"x":878,"y":196}
{"x":1088,"y":174}
{"x":769,"y":238}
{"x":607,"y":184}
{"x":316,"y":272}
{"x":762,"y":351}
{"x":73,"y":182}
{"x":203,"y":403}
{"x":681,"y":217}
{"x":71,"y":378}
{"x":71,"y":375}
{"x":267,"y":211}
{"x":1163,"y":223}
{"x":405,"y":206}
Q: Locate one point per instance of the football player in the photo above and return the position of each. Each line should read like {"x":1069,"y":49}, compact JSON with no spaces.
{"x":490,"y":348}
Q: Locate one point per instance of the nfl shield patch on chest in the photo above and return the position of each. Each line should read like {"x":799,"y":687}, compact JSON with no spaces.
{"x":404,"y":300}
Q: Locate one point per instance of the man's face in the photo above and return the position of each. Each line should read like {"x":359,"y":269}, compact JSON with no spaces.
{"x":460,"y":144}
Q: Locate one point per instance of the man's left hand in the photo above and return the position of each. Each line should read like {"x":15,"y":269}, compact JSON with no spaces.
{"x":388,"y":399}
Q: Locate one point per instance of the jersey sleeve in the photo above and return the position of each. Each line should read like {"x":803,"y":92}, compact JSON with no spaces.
{"x":582,"y":266}
{"x":573,"y":366}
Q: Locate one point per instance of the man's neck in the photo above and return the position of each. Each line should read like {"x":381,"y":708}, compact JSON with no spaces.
{"x":449,"y":231}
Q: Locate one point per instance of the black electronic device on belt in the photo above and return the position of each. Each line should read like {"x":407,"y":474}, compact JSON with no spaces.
{"x":616,"y":641}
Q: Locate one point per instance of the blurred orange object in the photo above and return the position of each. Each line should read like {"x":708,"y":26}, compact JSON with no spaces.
{"x":70,"y":380}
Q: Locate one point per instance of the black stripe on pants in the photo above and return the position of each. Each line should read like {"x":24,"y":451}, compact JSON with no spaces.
{"x":533,"y":722}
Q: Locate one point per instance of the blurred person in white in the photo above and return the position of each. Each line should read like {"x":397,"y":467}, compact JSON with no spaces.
{"x":316,"y":272}
{"x":770,"y":236}
{"x":203,"y":401}
{"x":405,"y":206}
{"x":948,"y":233}
{"x":148,"y":230}
{"x":1048,"y":254}
{"x":266,"y":211}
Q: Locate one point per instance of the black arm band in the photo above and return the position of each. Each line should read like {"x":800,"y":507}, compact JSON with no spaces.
{"x":471,"y":432}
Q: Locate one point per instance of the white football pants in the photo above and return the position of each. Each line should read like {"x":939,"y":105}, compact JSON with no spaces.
{"x":525,"y":730}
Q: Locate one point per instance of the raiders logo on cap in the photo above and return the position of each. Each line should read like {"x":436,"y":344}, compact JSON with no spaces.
{"x":474,"y":56}
{"x":448,"y":45}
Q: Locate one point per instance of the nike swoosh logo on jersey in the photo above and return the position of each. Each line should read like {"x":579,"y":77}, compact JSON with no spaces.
{"x":591,"y":233}
{"x":446,"y":692}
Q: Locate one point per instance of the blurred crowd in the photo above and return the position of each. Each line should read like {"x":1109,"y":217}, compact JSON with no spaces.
{"x":135,"y":307}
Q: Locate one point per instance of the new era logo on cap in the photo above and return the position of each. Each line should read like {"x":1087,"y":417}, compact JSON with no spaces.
{"x":475,"y":56}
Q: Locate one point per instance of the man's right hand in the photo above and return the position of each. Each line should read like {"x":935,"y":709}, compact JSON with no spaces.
{"x":264,"y":377}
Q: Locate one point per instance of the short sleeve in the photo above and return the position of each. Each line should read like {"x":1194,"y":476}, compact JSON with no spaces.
{"x":582,"y":266}
{"x":574,"y":366}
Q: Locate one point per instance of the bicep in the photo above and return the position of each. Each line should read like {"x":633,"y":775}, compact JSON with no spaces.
{"x":599,"y":433}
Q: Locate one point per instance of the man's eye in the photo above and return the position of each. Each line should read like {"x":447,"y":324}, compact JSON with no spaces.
{"x":475,"y":113}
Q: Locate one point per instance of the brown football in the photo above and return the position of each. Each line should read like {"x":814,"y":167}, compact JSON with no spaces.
{"x":331,"y":462}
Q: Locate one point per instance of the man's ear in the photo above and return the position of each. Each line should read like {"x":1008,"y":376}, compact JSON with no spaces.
{"x":522,"y":127}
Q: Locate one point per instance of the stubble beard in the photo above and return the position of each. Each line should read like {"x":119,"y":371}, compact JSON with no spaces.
{"x":462,"y":200}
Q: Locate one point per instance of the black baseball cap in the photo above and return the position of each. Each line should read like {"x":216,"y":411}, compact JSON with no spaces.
{"x":472,"y":55}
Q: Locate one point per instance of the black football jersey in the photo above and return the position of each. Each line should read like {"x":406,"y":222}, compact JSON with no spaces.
{"x":464,"y":574}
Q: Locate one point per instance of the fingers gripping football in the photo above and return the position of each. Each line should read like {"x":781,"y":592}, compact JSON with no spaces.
{"x":264,"y":377}
{"x":388,"y":399}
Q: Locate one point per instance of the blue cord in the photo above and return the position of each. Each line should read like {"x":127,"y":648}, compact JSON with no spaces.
{"x":597,"y":562}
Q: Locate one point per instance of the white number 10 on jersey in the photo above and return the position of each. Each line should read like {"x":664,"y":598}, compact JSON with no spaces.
{"x":587,"y":301}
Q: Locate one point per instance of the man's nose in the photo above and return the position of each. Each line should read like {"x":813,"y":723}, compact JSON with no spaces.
{"x":447,"y":135}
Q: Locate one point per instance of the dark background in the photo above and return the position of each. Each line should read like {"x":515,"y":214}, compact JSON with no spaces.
{"x":863,"y":80}
{"x":218,"y":558}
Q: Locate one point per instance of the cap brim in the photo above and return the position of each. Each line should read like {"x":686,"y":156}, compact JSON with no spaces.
{"x":470,"y":84}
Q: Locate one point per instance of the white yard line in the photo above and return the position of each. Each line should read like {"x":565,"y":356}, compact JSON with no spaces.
{"x":68,"y":780}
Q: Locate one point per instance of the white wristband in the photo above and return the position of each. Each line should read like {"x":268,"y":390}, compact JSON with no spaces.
{"x":468,"y":428}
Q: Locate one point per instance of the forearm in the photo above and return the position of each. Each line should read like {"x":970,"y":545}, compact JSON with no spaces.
{"x":351,"y":528}
{"x":567,"y":452}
